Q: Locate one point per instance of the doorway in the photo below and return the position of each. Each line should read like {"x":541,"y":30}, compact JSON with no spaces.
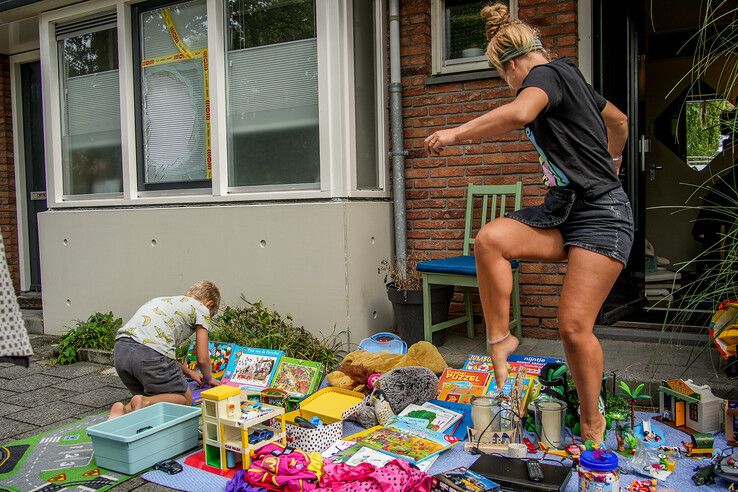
{"x":30,"y":165}
{"x":642,"y":53}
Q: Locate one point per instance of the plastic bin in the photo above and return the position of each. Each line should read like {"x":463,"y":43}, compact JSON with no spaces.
{"x":126,"y":446}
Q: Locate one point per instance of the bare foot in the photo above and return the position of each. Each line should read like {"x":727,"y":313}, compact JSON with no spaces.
{"x":117,"y":410}
{"x":594,"y":432}
{"x":499,"y":353}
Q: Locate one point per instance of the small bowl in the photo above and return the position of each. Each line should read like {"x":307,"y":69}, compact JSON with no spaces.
{"x":472,"y":52}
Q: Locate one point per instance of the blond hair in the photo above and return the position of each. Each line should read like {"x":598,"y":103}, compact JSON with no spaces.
{"x":204,"y":290}
{"x":508,"y":37}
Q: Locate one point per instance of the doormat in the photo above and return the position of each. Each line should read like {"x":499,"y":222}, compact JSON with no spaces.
{"x":59,"y":459}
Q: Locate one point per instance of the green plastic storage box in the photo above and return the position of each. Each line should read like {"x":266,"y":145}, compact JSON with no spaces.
{"x":134,"y":442}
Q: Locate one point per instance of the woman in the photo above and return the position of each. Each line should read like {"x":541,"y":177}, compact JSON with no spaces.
{"x":585,"y":218}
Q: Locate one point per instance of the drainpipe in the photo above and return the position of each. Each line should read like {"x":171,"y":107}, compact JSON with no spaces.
{"x":398,"y":149}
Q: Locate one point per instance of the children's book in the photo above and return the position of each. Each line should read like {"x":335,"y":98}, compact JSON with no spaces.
{"x":437,"y":418}
{"x":297,"y":377}
{"x":509,"y":383}
{"x":220,"y":354}
{"x":407,"y":442}
{"x":358,"y":454}
{"x":464,"y":480}
{"x":532,"y":363}
{"x":459,"y":430}
{"x":461,"y":385}
{"x":253,"y":368}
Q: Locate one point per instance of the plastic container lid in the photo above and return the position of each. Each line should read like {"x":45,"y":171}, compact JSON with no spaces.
{"x":607,"y":462}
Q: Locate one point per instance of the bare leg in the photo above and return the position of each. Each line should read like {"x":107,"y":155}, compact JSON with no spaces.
{"x":496,"y":244}
{"x":589,"y":278}
{"x":141,"y":401}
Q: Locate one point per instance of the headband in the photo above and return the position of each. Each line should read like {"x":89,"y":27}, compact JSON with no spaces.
{"x":514,"y":52}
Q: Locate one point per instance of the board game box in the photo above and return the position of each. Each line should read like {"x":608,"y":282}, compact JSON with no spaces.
{"x":220,"y":354}
{"x":533,"y":364}
{"x":460,"y":385}
{"x":253,"y":368}
{"x":297,"y":377}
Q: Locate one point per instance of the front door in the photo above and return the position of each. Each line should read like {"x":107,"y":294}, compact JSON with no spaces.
{"x":679,"y":414}
{"x":35,"y":170}
{"x":617,"y":55}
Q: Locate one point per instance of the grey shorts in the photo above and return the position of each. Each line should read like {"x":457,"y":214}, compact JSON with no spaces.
{"x":602,"y":224}
{"x":145,"y":371}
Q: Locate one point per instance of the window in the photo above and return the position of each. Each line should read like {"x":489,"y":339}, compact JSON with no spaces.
{"x":173,"y":125}
{"x":458,"y":39}
{"x":694,"y":412}
{"x":90,"y":106}
{"x":705,"y":131}
{"x":272,"y":84}
{"x":365,"y":95}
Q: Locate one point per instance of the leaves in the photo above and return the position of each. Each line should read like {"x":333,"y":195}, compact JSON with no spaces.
{"x":98,"y":332}
{"x":255,"y":325}
{"x":626,"y":389}
{"x":638,"y":390}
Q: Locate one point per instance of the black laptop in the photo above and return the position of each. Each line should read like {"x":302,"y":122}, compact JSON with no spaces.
{"x":512,"y":474}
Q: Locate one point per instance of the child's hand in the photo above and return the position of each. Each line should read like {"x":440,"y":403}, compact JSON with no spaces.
{"x":214,"y":382}
{"x":196,"y":377}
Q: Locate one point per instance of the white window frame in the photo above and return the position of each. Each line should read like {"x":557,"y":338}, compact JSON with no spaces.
{"x":335,"y":113}
{"x":443,"y":67}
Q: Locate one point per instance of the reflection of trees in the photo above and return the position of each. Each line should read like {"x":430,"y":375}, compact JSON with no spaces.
{"x":263,"y":22}
{"x":91,"y":53}
{"x":704,"y":136}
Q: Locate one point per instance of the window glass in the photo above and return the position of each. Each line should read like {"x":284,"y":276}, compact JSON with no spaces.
{"x":174,"y":95}
{"x":90,"y":112}
{"x":272,"y":79}
{"x":464,"y":29}
{"x":705,"y":133}
{"x":365,"y":96}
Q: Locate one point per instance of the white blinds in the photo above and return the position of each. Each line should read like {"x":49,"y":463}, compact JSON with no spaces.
{"x":273,"y":87}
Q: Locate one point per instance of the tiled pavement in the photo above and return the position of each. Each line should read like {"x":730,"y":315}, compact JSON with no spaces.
{"x":43,"y":396}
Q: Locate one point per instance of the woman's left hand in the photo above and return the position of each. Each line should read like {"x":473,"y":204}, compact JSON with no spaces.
{"x":435,"y":143}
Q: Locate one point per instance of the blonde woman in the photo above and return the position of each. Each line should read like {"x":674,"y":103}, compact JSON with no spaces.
{"x":585,"y":218}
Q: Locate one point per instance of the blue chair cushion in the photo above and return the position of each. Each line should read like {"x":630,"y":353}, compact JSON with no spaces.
{"x":459,"y":265}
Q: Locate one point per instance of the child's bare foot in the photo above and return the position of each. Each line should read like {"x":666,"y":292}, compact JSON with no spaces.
{"x":499,"y":352}
{"x":594,"y":432}
{"x":117,"y":410}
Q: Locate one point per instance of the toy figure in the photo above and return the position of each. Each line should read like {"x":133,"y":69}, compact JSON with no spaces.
{"x":705,"y":475}
{"x":643,"y":486}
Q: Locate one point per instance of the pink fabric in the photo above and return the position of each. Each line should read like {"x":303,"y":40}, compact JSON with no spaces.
{"x":284,"y":472}
{"x":395,"y":476}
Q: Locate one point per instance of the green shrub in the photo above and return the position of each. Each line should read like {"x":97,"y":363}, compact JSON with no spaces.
{"x":98,"y":332}
{"x":255,"y":325}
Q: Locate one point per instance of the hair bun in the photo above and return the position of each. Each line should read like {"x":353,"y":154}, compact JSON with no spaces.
{"x":495,"y":17}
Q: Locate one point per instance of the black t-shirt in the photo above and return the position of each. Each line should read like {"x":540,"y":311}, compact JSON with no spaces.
{"x":570,"y":134}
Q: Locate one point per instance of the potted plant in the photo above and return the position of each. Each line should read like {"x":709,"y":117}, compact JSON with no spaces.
{"x":405,"y":292}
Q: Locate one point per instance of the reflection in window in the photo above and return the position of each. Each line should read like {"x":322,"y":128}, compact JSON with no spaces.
{"x":90,"y":111}
{"x":174,"y":94}
{"x":272,"y":92}
{"x":464,"y":29}
{"x":704,"y":133}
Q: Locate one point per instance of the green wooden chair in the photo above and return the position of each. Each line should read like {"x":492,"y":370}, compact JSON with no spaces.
{"x":462,"y":270}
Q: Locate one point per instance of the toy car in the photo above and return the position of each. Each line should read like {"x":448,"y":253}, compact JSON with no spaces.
{"x":169,"y":467}
{"x":260,"y":435}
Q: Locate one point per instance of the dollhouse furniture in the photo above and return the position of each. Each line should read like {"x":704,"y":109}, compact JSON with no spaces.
{"x":461,"y":270}
{"x":689,"y":407}
{"x":229,"y":434}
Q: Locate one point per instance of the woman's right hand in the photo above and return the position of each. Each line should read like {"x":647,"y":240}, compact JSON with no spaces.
{"x":436,"y":141}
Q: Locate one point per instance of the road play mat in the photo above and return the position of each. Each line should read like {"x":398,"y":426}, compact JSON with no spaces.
{"x":56,"y":460}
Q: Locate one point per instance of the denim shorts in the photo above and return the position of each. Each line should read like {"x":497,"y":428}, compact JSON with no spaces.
{"x":145,"y":371}
{"x":603,"y":224}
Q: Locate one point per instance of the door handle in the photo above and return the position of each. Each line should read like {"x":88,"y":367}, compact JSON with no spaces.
{"x":652,"y":168}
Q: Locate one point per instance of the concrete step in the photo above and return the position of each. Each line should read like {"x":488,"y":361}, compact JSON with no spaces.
{"x":34,"y":320}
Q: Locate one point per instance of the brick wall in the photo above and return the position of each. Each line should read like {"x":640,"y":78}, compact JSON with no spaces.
{"x":436,"y":186}
{"x":8,"y":222}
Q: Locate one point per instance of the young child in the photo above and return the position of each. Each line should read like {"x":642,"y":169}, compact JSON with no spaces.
{"x":144,"y":353}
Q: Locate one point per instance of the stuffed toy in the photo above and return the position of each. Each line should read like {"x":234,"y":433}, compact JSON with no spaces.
{"x":393,"y":392}
{"x":359,"y":365}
